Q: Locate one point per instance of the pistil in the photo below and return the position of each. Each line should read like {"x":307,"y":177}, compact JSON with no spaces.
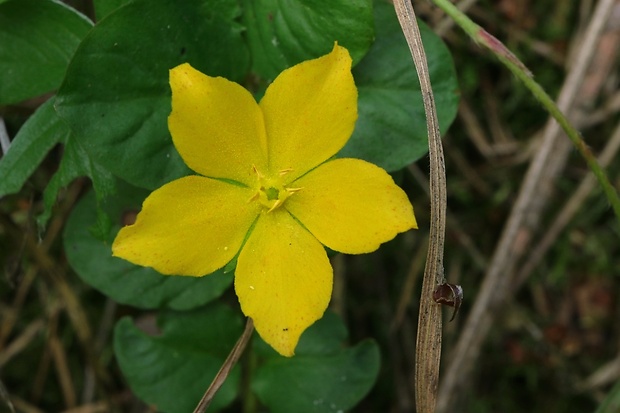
{"x":271,"y":191}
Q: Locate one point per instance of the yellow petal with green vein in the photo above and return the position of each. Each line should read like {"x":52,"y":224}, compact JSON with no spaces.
{"x":283,"y":280}
{"x":351,"y":206}
{"x":191,"y":226}
{"x":216,"y":125}
{"x":310,"y":112}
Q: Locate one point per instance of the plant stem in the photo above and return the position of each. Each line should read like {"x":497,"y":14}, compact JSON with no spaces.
{"x":428,"y":342}
{"x":479,"y":35}
{"x":230,"y":362}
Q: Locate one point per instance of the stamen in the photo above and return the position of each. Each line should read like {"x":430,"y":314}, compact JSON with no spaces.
{"x":293,"y":190}
{"x":254,"y":197}
{"x":257,"y":172}
{"x":285,"y":171}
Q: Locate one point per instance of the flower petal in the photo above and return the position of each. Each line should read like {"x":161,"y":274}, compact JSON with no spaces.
{"x":351,"y":206}
{"x":216,"y":125}
{"x":310,"y":112}
{"x":191,"y":226}
{"x":283,"y":280}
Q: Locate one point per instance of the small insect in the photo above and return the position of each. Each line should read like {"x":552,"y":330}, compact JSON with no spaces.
{"x":450,"y":295}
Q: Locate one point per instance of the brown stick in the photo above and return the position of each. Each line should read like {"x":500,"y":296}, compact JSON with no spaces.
{"x":428,"y":343}
{"x":230,"y":362}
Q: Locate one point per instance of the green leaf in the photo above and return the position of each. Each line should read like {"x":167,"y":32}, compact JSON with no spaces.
{"x":322,"y":377}
{"x":391,"y":128}
{"x":38,"y":135}
{"x":282,"y":34}
{"x":116,"y":97}
{"x":37,"y":39}
{"x":124,"y":282}
{"x":172,"y":370}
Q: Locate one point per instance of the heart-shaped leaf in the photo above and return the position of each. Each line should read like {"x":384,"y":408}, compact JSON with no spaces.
{"x":322,"y":376}
{"x":281,"y":35}
{"x":391,"y":127}
{"x":173,"y":369}
{"x":37,"y":39}
{"x":116,"y":97}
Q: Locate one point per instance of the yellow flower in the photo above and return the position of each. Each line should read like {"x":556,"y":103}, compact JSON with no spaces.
{"x":267,"y":192}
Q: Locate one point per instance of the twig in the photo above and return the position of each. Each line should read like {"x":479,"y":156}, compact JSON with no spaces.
{"x":105,"y":326}
{"x":474,"y":129}
{"x":21,"y":342}
{"x":11,"y":315}
{"x":607,"y":109}
{"x":5,"y":142}
{"x":568,"y":211}
{"x":230,"y":362}
{"x":447,"y":23}
{"x":59,"y":356}
{"x":428,"y":343}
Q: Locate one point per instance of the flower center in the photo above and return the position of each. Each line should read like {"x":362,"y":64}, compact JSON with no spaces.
{"x":271,"y":191}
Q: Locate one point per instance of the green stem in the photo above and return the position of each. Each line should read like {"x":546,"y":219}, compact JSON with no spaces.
{"x":479,"y":35}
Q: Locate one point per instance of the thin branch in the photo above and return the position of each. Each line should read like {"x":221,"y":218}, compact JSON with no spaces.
{"x":5,"y":142}
{"x":230,"y":362}
{"x":568,"y":211}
